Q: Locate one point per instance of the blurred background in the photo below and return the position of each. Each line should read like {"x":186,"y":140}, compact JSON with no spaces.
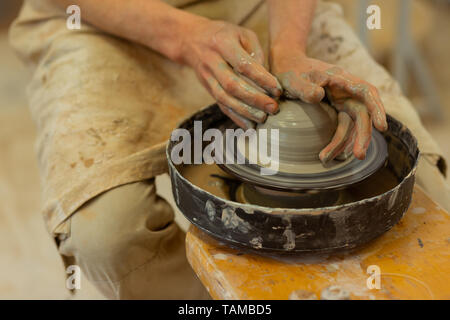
{"x":413,"y":44}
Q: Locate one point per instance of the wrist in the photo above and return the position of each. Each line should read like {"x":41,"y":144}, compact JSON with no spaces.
{"x":282,"y":54}
{"x":187,"y":49}
{"x":175,"y":31}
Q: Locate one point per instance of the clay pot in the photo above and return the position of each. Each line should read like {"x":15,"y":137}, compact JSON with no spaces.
{"x":304,"y":130}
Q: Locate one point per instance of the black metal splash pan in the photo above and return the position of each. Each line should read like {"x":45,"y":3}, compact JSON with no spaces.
{"x":303,"y":230}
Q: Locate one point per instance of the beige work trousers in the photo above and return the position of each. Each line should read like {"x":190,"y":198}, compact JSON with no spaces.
{"x":104,"y":107}
{"x":128,"y":246}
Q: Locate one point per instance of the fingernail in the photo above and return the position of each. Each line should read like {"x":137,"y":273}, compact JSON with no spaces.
{"x":380,"y":125}
{"x":278,"y":90}
{"x":271,"y":108}
{"x":361,"y":155}
{"x":258,"y":115}
{"x":275,"y":92}
{"x":276,"y":111}
{"x":246,"y":125}
{"x":279,"y":87}
{"x":381,"y":122}
{"x":261,"y":119}
{"x":320,"y":94}
{"x":344,"y":155}
{"x":324,"y":160}
{"x":324,"y":157}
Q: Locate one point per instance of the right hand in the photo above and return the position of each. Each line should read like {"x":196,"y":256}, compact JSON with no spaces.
{"x":225,"y":57}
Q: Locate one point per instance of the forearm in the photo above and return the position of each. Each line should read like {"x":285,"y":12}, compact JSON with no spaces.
{"x":289,"y":24}
{"x":152,"y":23}
{"x":223,"y":55}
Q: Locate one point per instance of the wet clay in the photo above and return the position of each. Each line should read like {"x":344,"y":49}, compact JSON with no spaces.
{"x":210,"y":178}
{"x":304,"y":130}
{"x":292,"y":141}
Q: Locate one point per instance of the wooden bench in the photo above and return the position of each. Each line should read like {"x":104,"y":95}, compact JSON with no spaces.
{"x":413,"y":260}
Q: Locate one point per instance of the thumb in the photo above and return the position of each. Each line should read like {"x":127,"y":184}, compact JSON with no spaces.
{"x":313,"y":93}
{"x":306,"y":91}
{"x":300,"y":87}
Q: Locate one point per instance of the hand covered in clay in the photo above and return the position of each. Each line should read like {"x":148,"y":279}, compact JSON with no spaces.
{"x":356,"y":101}
{"x":225,"y":57}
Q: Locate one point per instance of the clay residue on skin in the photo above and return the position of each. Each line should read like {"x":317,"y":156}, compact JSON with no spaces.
{"x":357,"y":111}
{"x":254,"y":114}
{"x":340,"y":138}
{"x":291,"y":82}
{"x":333,"y":71}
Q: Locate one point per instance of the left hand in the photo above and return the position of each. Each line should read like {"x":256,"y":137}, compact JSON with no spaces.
{"x":357,"y":101}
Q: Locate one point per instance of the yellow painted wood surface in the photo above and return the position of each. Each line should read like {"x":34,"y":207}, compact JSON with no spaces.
{"x":413,"y":258}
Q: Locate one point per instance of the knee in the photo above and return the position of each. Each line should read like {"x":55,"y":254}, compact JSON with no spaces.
{"x":119,"y":230}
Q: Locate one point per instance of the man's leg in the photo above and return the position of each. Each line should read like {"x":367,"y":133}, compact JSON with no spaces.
{"x":104,"y":109}
{"x":432,"y":181}
{"x":127,"y":244}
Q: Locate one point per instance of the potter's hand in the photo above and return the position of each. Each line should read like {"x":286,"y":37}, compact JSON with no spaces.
{"x":222,"y":54}
{"x":225,"y":57}
{"x":357,"y":102}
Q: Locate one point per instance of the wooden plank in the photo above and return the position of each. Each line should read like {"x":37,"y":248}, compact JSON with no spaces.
{"x":413,"y":259}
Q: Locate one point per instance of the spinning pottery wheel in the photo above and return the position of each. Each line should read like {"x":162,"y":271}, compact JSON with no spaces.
{"x":292,"y":212}
{"x":303,"y":130}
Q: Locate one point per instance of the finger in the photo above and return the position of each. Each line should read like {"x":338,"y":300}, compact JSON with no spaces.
{"x":363,"y":125}
{"x":243,"y":63}
{"x":299,"y":86}
{"x":347,"y":150}
{"x":222,"y":97}
{"x":242,"y":122}
{"x":237,"y":87}
{"x":250,"y":43}
{"x":365,"y":93}
{"x":344,"y":128}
